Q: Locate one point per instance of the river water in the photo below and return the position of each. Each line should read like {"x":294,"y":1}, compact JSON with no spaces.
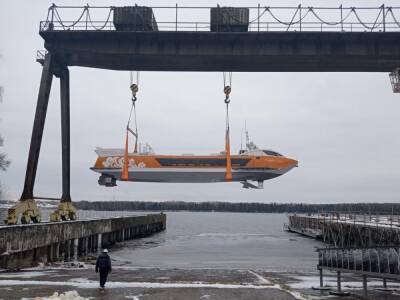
{"x":221,"y":240}
{"x":215,"y":240}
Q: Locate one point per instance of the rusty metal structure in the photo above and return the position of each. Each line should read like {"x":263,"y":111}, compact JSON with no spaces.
{"x":277,"y":39}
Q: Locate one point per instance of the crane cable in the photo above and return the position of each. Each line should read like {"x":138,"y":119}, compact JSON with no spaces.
{"x":227,"y":91}
{"x":134,"y":87}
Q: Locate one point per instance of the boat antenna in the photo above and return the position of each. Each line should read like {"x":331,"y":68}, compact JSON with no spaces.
{"x":247,"y":135}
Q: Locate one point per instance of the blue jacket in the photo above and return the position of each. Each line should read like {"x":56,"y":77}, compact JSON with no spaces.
{"x":103,"y":263}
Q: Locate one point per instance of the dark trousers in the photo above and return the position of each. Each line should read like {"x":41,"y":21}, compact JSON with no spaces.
{"x":103,"y":277}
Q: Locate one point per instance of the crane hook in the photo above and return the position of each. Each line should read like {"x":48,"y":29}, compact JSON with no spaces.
{"x":134,"y":88}
{"x":227,"y":91}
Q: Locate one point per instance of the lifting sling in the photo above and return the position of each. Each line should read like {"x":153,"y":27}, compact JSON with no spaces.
{"x":227,"y":91}
{"x":134,"y":87}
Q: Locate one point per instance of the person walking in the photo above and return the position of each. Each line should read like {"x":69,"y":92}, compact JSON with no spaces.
{"x":103,"y":266}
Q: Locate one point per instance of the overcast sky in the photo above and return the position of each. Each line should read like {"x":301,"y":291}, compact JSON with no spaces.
{"x":343,"y":128}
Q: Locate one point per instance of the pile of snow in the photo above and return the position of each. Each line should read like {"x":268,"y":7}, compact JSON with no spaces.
{"x":70,"y":295}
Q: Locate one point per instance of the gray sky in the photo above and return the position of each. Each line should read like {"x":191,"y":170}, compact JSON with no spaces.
{"x":342,"y":128}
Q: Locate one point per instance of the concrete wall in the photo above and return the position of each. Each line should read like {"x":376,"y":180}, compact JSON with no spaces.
{"x":26,"y":245}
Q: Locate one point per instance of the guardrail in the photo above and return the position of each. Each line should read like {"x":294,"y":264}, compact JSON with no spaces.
{"x":391,"y":219}
{"x":381,"y":261}
{"x":262,"y":18}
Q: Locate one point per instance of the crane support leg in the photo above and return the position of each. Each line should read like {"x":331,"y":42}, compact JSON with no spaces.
{"x":27,"y":206}
{"x":65,"y":210}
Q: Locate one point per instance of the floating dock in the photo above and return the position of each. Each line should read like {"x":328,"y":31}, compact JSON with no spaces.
{"x":23,"y":246}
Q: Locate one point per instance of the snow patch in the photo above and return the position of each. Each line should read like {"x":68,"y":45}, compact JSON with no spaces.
{"x":89,"y":284}
{"x":260,"y":278}
{"x":306,"y":282}
{"x":134,"y":297}
{"x":24,"y":274}
{"x":70,"y":295}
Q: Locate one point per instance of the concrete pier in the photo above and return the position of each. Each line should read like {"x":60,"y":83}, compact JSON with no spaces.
{"x":27,"y":245}
{"x":342,"y":230}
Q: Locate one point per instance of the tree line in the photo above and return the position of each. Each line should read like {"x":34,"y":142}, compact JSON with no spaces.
{"x":252,"y":207}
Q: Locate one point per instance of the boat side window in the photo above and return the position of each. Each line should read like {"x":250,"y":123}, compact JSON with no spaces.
{"x":272,"y":153}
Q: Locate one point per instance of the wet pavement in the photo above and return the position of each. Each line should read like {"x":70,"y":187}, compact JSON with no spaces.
{"x":152,"y":283}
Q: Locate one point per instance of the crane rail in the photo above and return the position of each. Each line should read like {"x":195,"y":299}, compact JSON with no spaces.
{"x":262,"y":18}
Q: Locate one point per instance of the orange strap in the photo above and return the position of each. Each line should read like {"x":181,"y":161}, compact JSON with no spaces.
{"x":228,"y":174}
{"x":125,"y":173}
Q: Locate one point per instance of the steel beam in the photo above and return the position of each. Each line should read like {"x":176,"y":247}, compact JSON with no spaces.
{"x":227,"y":51}
{"x":38,"y":126}
{"x":65,"y":134}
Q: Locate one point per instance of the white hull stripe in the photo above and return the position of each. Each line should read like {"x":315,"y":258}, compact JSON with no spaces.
{"x":188,"y":170}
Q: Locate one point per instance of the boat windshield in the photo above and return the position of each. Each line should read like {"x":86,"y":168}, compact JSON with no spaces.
{"x":272,"y":153}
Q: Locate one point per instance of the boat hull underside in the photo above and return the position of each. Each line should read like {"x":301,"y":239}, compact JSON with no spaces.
{"x":191,"y":175}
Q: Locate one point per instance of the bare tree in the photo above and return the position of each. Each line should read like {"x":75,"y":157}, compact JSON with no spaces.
{"x":4,"y":162}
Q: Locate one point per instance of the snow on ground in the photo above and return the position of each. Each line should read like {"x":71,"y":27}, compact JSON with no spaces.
{"x":62,"y":266}
{"x":25,"y":274}
{"x":89,"y":284}
{"x":306,"y":282}
{"x":134,"y":297}
{"x":260,"y":278}
{"x":70,"y":295}
{"x":94,"y":284}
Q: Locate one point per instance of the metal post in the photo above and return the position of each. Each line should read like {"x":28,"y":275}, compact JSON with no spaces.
{"x":339,"y":282}
{"x":321,"y":278}
{"x":391,"y":218}
{"x":86,"y":245}
{"x":65,"y":135}
{"x":365,"y":285}
{"x":341,"y":17}
{"x":300,"y":16}
{"x":384,"y":17}
{"x":176,"y":17}
{"x":75,"y":249}
{"x":56,"y":251}
{"x":87,"y":16}
{"x":99,"y":243}
{"x":258,"y":18}
{"x":67,"y":250}
{"x":52,"y":12}
{"x":38,"y":126}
